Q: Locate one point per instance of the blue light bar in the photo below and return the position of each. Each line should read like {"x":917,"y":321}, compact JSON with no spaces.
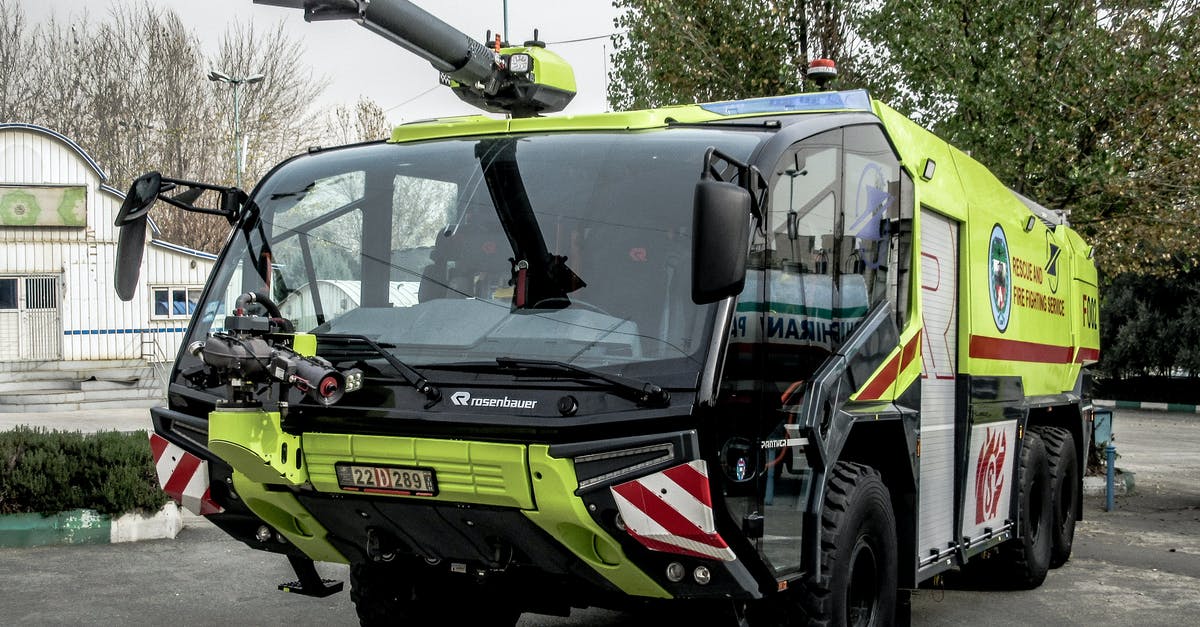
{"x":856,"y":100}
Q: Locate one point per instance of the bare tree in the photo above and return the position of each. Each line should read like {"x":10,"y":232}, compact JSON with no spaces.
{"x":17,"y":87}
{"x":132,"y":89}
{"x":276,"y":118}
{"x":365,"y":121}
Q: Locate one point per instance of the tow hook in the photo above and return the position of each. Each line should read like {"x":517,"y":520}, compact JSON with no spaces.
{"x":379,"y":547}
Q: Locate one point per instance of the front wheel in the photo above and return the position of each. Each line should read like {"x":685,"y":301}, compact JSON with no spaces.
{"x":857,"y":583}
{"x":382,"y":595}
{"x":389,"y":594}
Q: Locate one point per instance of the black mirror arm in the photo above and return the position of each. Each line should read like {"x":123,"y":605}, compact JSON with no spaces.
{"x":748,"y":177}
{"x":232,"y":198}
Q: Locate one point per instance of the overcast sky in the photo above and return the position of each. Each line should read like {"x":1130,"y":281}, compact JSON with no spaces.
{"x":358,"y":62}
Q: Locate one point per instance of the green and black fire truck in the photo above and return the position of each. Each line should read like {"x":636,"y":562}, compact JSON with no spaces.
{"x":779,"y":360}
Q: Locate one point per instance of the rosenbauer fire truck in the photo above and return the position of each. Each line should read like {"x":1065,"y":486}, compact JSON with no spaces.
{"x":780,"y":360}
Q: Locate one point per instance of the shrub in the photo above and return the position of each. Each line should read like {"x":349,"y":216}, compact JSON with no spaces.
{"x":52,"y":471}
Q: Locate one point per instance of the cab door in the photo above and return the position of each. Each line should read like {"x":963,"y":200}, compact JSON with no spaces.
{"x":816,"y":268}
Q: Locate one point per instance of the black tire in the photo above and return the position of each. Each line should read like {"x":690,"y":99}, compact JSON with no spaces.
{"x":382,"y":595}
{"x":469,"y":603}
{"x":857,"y":583}
{"x":1063,"y":462}
{"x":1023,"y":561}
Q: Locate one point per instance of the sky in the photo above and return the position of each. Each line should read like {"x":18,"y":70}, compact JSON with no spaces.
{"x":359,"y":63}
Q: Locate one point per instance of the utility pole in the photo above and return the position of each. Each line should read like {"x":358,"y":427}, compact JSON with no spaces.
{"x":236,"y":82}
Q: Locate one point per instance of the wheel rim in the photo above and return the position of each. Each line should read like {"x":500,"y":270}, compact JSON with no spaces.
{"x":862,"y":599}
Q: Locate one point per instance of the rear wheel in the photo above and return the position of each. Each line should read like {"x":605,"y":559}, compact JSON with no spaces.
{"x":857,"y":583}
{"x":1022,"y":562}
{"x":1063,"y":464}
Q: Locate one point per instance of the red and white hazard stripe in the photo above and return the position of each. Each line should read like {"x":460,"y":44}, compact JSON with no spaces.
{"x":183,"y":476}
{"x":671,"y":511}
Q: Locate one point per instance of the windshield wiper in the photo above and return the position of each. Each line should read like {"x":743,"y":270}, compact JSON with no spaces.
{"x":410,"y":374}
{"x":643,"y":392}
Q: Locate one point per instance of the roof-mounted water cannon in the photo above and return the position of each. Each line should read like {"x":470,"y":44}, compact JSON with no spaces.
{"x":520,"y":80}
{"x":822,"y":72}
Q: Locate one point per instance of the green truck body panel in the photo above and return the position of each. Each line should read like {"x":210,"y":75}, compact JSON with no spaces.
{"x":483,"y":473}
{"x":286,"y":515}
{"x":563,"y":515}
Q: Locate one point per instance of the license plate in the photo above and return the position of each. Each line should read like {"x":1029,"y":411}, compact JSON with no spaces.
{"x":405,"y":480}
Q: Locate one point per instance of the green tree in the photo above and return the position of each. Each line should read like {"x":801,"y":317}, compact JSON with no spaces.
{"x":1085,"y":105}
{"x":676,"y":51}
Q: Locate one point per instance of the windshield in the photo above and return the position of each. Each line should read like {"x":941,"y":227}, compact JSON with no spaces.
{"x":568,"y":247}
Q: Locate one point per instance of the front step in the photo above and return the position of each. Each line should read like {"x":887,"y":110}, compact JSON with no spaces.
{"x":18,"y":400}
{"x":72,"y":385}
{"x":84,"y":406}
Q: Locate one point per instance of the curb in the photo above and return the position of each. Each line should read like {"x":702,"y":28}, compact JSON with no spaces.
{"x":1175,"y":407}
{"x":85,"y":526}
{"x":1123,"y":484}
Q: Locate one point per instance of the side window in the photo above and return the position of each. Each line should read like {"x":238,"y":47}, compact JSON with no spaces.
{"x":805,"y":202}
{"x":8,"y":293}
{"x":871,"y":192}
{"x":901,"y":251}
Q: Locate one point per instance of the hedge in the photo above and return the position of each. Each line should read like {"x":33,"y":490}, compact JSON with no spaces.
{"x":46,"y":472}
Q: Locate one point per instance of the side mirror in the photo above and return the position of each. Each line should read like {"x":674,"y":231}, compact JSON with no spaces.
{"x":142,"y":194}
{"x":131,"y":242}
{"x":721,"y":232}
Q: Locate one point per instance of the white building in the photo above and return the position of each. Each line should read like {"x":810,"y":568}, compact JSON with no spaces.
{"x":58,"y":308}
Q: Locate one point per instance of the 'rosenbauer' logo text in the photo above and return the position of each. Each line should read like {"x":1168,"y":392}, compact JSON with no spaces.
{"x":464,"y":399}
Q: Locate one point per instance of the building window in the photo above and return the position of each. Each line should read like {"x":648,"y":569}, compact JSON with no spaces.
{"x":8,"y":293}
{"x":175,"y":301}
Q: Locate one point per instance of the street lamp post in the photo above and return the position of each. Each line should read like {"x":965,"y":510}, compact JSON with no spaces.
{"x":236,"y":82}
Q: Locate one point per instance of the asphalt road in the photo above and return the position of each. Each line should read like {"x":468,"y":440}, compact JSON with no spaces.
{"x":1139,"y":565}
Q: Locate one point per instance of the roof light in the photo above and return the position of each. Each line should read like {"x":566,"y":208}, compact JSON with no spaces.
{"x":822,"y":72}
{"x":857,"y":100}
{"x":822,"y":68}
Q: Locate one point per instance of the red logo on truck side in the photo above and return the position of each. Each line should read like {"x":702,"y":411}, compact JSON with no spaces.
{"x":989,"y":475}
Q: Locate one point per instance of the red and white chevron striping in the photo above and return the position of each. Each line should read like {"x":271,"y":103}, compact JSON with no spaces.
{"x":671,"y":511}
{"x":183,"y":476}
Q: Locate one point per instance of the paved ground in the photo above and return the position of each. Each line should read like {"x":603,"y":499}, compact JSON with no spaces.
{"x":1139,"y":565}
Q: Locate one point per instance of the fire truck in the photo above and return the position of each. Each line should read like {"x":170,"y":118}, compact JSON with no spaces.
{"x":779,"y":360}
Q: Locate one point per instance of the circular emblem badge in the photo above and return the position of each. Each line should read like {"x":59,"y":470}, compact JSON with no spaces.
{"x":999,"y":278}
